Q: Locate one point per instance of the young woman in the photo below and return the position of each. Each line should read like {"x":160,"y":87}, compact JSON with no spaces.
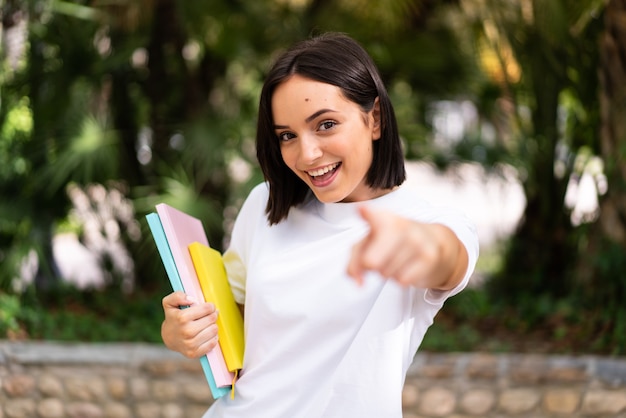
{"x":340,"y":269}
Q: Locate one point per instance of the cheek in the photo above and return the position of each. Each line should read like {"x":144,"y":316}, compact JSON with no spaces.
{"x":288,"y":157}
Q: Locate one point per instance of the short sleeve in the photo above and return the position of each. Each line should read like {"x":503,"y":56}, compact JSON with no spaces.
{"x":236,"y":272}
{"x":465,"y":231}
{"x":237,"y":256}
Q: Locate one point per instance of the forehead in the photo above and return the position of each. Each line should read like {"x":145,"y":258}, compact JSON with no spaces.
{"x":303,"y":95}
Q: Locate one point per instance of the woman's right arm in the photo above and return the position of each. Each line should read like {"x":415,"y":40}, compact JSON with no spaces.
{"x":191,"y":331}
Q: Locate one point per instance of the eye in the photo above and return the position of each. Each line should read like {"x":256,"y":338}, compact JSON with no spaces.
{"x":327,"y":124}
{"x":285,"y":136}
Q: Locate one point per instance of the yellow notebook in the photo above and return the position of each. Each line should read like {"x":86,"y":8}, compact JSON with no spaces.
{"x":216,"y":289}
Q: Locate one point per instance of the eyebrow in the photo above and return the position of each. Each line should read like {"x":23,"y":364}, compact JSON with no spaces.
{"x":308,"y":119}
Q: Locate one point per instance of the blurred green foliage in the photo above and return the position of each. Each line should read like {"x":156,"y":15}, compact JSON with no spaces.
{"x":9,"y":311}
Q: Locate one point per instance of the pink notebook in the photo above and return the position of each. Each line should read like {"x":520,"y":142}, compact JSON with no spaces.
{"x":181,"y":230}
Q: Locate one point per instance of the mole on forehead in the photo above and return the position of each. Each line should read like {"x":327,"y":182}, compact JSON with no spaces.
{"x":306,"y":99}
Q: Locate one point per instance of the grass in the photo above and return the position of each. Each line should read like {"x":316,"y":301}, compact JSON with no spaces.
{"x":470,"y":321}
{"x":69,"y":315}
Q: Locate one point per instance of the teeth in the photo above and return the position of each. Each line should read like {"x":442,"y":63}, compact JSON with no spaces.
{"x":322,"y":171}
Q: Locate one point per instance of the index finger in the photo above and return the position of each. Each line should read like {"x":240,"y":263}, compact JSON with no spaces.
{"x":355,"y":268}
{"x":380,"y":244}
{"x":360,"y":258}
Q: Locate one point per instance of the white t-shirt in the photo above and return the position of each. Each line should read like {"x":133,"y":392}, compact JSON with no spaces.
{"x":318,"y":344}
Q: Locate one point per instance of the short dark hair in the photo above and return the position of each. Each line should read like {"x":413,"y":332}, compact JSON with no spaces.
{"x":337,"y":59}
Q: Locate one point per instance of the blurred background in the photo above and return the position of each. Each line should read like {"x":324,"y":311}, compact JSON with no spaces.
{"x":514,"y":110}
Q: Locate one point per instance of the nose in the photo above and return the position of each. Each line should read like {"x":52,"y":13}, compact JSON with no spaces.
{"x":310,"y":149}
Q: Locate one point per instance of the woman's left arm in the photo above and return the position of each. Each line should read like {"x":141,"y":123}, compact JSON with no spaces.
{"x":425,"y":255}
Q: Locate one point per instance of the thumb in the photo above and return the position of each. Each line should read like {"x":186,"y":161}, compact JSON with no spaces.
{"x":177,"y":299}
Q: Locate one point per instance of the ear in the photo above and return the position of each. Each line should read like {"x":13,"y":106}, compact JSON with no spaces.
{"x":375,"y":113}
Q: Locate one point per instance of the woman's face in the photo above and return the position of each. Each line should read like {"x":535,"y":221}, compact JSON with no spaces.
{"x":325,"y":139}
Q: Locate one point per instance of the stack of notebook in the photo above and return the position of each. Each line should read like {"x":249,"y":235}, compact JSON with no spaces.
{"x":195,"y":268}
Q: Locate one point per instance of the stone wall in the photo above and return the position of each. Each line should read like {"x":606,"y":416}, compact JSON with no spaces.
{"x":515,"y":385}
{"x":49,"y":380}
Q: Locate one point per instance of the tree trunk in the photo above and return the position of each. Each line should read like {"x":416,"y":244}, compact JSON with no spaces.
{"x":613,"y":121}
{"x":601,"y":275}
{"x":539,"y":251}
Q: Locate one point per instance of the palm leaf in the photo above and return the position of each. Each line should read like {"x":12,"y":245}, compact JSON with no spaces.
{"x":89,"y":156}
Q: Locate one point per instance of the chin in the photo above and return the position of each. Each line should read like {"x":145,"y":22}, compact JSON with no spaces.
{"x":326,"y":200}
{"x":327,"y":197}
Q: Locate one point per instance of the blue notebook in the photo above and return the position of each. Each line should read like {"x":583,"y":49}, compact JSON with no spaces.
{"x":172,"y":273}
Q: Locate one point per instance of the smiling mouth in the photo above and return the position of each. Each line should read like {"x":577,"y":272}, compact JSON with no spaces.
{"x":324,"y":176}
{"x":324,"y":171}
